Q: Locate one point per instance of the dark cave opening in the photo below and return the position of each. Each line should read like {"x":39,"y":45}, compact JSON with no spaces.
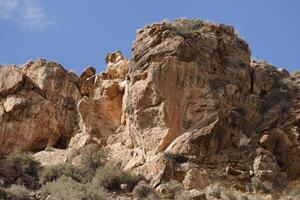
{"x":62,"y":143}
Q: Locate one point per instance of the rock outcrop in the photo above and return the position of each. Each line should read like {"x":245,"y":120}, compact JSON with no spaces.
{"x":38,"y":106}
{"x":194,"y":91}
{"x":28,"y":121}
{"x":100,"y":109}
{"x":190,"y":105}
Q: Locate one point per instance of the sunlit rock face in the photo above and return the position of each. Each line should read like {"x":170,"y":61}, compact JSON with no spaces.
{"x":180,"y":82}
{"x":193,"y":90}
{"x":38,"y":106}
{"x":189,"y":105}
{"x":24,"y":110}
{"x":100,"y":110}
{"x":61,"y":88}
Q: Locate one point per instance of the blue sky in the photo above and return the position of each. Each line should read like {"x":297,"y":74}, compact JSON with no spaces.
{"x":78,"y":33}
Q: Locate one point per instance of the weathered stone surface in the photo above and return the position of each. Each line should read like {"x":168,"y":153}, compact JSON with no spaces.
{"x":24,"y":110}
{"x":52,"y":157}
{"x":52,"y":78}
{"x":13,"y":80}
{"x":87,"y":73}
{"x":174,"y":86}
{"x":61,"y":88}
{"x":196,"y":179}
{"x":210,"y":139}
{"x":106,"y":111}
{"x":38,"y":106}
{"x":22,"y":116}
{"x":267,"y":170}
{"x":87,"y":79}
{"x":100,"y":110}
{"x":190,"y":90}
{"x":117,"y":66}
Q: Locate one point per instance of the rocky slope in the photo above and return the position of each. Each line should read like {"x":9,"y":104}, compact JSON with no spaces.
{"x":190,"y":105}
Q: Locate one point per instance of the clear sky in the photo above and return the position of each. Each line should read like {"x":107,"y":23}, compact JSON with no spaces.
{"x":78,"y":33}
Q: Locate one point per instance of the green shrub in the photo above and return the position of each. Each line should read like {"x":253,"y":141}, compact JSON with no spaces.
{"x":259,"y":186}
{"x":92,"y":158}
{"x":172,"y":189}
{"x":65,"y":188}
{"x":23,"y":163}
{"x":18,"y":192}
{"x":187,"y":27}
{"x":96,"y":192}
{"x":51,"y":173}
{"x":19,"y":167}
{"x":214,"y":190}
{"x":231,"y":194}
{"x":111,"y":177}
{"x":144,"y":191}
{"x":15,"y":192}
{"x":3,"y":194}
{"x":177,"y":158}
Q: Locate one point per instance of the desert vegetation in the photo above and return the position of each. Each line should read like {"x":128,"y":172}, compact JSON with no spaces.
{"x":93,"y":178}
{"x":187,"y":28}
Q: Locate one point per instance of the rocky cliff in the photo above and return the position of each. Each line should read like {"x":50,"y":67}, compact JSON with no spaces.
{"x":189,"y":105}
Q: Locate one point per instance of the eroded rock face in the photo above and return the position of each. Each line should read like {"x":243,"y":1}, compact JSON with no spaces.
{"x":190,"y":105}
{"x":38,"y":106}
{"x":61,"y":88}
{"x":267,"y":171}
{"x":100,"y":110}
{"x":193,"y":90}
{"x":28,"y":121}
{"x":87,"y":79}
{"x":177,"y":81}
{"x":196,"y":87}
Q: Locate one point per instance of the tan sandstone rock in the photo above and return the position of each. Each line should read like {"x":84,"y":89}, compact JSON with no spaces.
{"x":101,"y":110}
{"x":193,"y":89}
{"x":61,"y":88}
{"x":190,"y":105}
{"x":28,"y":121}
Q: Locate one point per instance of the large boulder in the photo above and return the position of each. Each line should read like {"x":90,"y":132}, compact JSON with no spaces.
{"x":28,"y":121}
{"x":38,"y":106}
{"x":61,"y":88}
